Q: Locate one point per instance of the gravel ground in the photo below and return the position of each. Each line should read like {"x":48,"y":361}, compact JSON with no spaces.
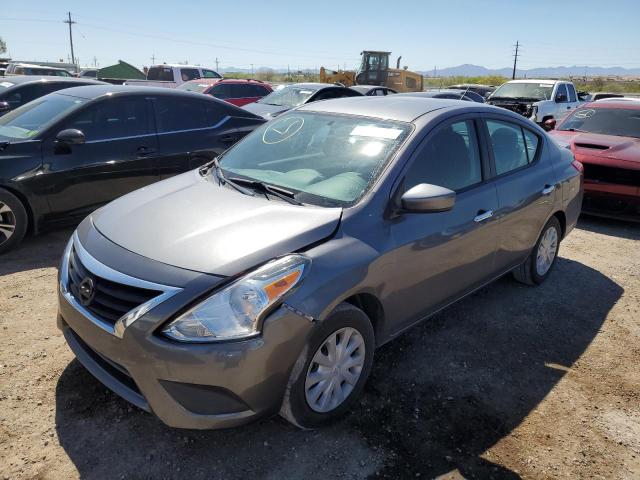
{"x":512,"y":382}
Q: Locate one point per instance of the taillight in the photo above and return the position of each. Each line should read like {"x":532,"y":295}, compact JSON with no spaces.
{"x":578,"y":166}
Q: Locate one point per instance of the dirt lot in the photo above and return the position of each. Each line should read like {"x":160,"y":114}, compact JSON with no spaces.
{"x":512,"y":382}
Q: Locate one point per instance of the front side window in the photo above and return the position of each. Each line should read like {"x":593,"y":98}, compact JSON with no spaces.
{"x":325,"y":159}
{"x":239,"y":90}
{"x":524,"y":91}
{"x":113,"y":118}
{"x":29,"y":120}
{"x":622,"y":122}
{"x":210,"y":74}
{"x":450,"y":159}
{"x":561,"y":94}
{"x":509,"y":146}
{"x":222,"y":91}
{"x":179,"y":114}
{"x":289,"y":96}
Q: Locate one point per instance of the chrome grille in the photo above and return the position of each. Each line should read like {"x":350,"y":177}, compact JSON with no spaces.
{"x":109,"y":300}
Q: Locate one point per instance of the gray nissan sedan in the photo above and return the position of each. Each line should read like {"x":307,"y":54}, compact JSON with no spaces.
{"x":264,"y":281}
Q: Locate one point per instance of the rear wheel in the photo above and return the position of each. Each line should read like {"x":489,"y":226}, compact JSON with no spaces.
{"x":542,"y":258}
{"x":331,"y":370}
{"x":13,"y":221}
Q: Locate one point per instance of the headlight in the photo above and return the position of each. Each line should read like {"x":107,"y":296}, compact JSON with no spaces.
{"x":235,"y":311}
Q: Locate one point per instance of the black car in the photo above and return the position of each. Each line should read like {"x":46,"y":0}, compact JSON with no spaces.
{"x":67,"y":153}
{"x":292,"y":96}
{"x":373,"y":90}
{"x":448,"y":94}
{"x":18,"y":90}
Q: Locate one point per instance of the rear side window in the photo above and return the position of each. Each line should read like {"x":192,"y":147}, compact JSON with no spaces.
{"x":162,"y":74}
{"x":189,"y":74}
{"x":179,"y":114}
{"x":113,"y":118}
{"x":239,"y":90}
{"x":261,"y":91}
{"x":572,"y":93}
{"x":449,"y":159}
{"x":511,"y":148}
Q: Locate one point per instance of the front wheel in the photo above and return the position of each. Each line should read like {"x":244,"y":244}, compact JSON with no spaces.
{"x":542,"y":258}
{"x":331,"y":370}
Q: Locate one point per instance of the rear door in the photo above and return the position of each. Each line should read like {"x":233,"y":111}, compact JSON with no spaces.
{"x":526,"y":186}
{"x":191,"y":131}
{"x":440,"y":256}
{"x":117,"y":157}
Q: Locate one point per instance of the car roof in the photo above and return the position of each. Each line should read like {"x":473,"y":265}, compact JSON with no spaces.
{"x":432,"y":93}
{"x":314,"y":85}
{"x":537,"y":80}
{"x":392,"y":107}
{"x":21,"y":79}
{"x":215,"y":81}
{"x":95,"y":91}
{"x":35,"y":65}
{"x":178,"y":65}
{"x":625,"y":102}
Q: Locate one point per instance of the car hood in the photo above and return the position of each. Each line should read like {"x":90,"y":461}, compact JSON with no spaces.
{"x":624,"y":152}
{"x":264,"y":110}
{"x":191,"y":222}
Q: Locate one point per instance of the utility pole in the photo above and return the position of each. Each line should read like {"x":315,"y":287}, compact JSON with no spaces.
{"x":515,"y":61}
{"x":153,"y":59}
{"x":71,"y":22}
{"x":216,"y":64}
{"x":252,"y":70}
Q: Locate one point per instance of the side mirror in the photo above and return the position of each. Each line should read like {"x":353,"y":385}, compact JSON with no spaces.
{"x":4,"y":107}
{"x":70,"y":136}
{"x":561,"y":98}
{"x":427,"y":198}
{"x":549,"y":124}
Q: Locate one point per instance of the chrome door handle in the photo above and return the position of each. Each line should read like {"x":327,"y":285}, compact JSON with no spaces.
{"x":481,"y":217}
{"x":548,"y":189}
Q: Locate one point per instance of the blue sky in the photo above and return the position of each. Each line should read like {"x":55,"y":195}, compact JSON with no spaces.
{"x":305,"y":34}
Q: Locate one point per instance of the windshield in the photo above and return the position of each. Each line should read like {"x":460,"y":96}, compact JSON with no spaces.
{"x":194,"y":87}
{"x":290,"y":96}
{"x":623,"y":122}
{"x":34,"y":117}
{"x":533,"y":90}
{"x":325,"y":159}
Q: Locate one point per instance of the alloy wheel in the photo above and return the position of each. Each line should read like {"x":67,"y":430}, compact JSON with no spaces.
{"x":546,"y":251}
{"x":7,"y":222}
{"x":335,"y":370}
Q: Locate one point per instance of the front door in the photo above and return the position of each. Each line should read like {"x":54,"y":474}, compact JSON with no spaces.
{"x":440,"y":256}
{"x":117,"y":156}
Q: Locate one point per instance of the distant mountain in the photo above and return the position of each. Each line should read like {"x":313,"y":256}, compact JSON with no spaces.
{"x":468,"y":70}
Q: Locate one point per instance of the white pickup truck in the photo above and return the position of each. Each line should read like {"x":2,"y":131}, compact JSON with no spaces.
{"x":172,"y":75}
{"x":538,"y":100}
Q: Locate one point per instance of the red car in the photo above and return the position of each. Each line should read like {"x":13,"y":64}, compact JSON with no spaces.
{"x":237,"y":92}
{"x":605,"y":137}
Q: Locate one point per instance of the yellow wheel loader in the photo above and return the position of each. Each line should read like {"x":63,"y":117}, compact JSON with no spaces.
{"x":375,"y":70}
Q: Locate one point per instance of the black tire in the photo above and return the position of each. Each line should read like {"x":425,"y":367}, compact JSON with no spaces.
{"x":295,"y":407}
{"x":13,"y":213}
{"x":527,"y":273}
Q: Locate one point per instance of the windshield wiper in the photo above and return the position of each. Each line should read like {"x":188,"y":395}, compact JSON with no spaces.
{"x":215,"y":163}
{"x":279,"y":192}
{"x":573,"y":130}
{"x":274,"y":104}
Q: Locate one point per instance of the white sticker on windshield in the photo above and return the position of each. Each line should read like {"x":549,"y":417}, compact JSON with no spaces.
{"x":282,"y":129}
{"x":376,"y":132}
{"x":586,"y":113}
{"x":6,"y":84}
